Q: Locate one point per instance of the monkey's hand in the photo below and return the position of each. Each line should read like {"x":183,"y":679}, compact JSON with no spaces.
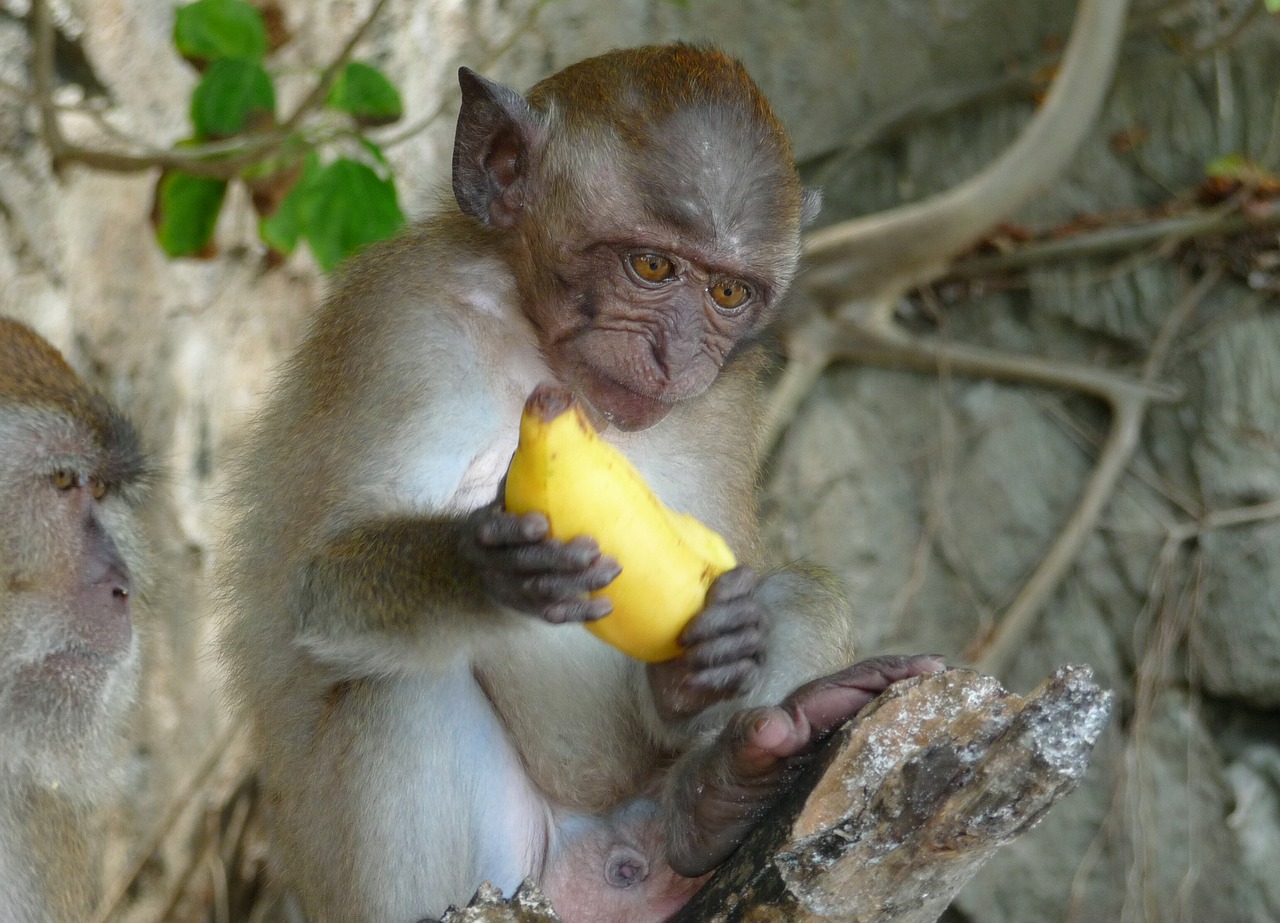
{"x":724,"y":650}
{"x":719,"y":792}
{"x":523,"y":568}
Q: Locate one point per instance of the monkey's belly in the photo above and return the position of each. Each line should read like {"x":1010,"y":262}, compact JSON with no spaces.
{"x":459,"y":789}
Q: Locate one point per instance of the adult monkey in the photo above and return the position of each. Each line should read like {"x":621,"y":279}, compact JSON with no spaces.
{"x":72,"y":476}
{"x":423,"y":720}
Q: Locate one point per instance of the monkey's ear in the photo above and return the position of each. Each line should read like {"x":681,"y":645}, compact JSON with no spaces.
{"x":810,"y":205}
{"x":499,"y":137}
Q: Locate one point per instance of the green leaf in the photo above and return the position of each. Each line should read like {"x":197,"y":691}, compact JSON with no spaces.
{"x":280,"y":230}
{"x":1273,"y":6}
{"x":345,"y":206}
{"x":366,"y":94}
{"x":1228,"y":166}
{"x":186,"y":212}
{"x":235,"y":94}
{"x":210,"y":30}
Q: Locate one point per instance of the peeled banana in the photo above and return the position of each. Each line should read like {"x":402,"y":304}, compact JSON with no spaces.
{"x":584,"y":486}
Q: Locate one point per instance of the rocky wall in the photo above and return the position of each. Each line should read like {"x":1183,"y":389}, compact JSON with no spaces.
{"x":932,"y":496}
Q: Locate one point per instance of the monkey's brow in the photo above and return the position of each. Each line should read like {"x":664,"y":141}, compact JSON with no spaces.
{"x":74,"y":462}
{"x":683,"y":215}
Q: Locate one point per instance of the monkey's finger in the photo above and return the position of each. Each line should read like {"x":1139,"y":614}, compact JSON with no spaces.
{"x":554,"y":557}
{"x":578,"y":610}
{"x":745,"y":645}
{"x":722,"y":619}
{"x":499,"y":528}
{"x":726,"y":680}
{"x":558,"y":587}
{"x":733,"y":584}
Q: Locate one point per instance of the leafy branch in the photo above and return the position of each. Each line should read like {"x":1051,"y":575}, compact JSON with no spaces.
{"x":306,"y":178}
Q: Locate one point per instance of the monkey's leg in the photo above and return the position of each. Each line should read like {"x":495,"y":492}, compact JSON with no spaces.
{"x":717,"y":793}
{"x":407,"y":796}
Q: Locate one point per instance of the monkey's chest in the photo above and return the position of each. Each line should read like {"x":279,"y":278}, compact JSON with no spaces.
{"x":483,"y":473}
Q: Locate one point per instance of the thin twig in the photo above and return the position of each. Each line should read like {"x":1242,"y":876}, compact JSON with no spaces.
{"x":1129,"y":407}
{"x":111,"y":900}
{"x":1212,"y":223}
{"x":495,"y":54}
{"x":320,"y":91}
{"x":1226,"y":519}
{"x":1013,"y":627}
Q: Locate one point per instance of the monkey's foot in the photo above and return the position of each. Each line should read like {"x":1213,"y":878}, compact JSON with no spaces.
{"x":727,"y":786}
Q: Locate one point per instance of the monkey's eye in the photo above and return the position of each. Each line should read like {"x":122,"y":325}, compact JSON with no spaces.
{"x":64,"y":479}
{"x":730,"y":295}
{"x":99,"y":488}
{"x":651,"y":267}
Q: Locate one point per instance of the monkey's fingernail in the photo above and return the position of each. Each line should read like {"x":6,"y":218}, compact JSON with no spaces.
{"x":533,"y":529}
{"x":598,"y":608}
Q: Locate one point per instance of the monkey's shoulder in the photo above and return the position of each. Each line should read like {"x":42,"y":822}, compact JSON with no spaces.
{"x":412,"y":294}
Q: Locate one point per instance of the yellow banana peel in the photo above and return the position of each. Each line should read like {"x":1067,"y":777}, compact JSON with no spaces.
{"x":584,"y":486}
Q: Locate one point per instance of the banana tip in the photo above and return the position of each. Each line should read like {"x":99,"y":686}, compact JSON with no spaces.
{"x":549,"y":401}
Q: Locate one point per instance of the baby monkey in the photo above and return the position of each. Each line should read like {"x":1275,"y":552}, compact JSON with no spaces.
{"x":426,"y":712}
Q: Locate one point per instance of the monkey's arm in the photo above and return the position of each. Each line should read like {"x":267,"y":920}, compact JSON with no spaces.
{"x":443,"y":579}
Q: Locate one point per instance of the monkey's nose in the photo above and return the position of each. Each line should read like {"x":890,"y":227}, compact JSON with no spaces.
{"x":103,"y":611}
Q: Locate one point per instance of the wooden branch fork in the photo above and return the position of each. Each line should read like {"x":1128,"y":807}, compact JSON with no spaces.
{"x":902,"y":807}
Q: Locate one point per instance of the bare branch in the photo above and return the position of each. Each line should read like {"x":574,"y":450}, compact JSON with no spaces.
{"x":1128,"y":410}
{"x":904,"y":247}
{"x":215,"y":160}
{"x":320,"y":91}
{"x":913,"y":798}
{"x":1261,"y":216}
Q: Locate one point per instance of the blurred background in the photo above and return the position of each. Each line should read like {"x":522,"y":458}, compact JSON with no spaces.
{"x":935,"y":493}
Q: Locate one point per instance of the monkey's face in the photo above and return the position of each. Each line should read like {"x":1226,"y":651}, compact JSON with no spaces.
{"x":647,"y":326}
{"x":653,"y":207}
{"x":68,"y":654}
{"x":646,"y":294}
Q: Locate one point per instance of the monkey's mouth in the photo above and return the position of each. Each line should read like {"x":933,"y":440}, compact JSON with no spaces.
{"x":71,"y":665}
{"x":619,"y":404}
